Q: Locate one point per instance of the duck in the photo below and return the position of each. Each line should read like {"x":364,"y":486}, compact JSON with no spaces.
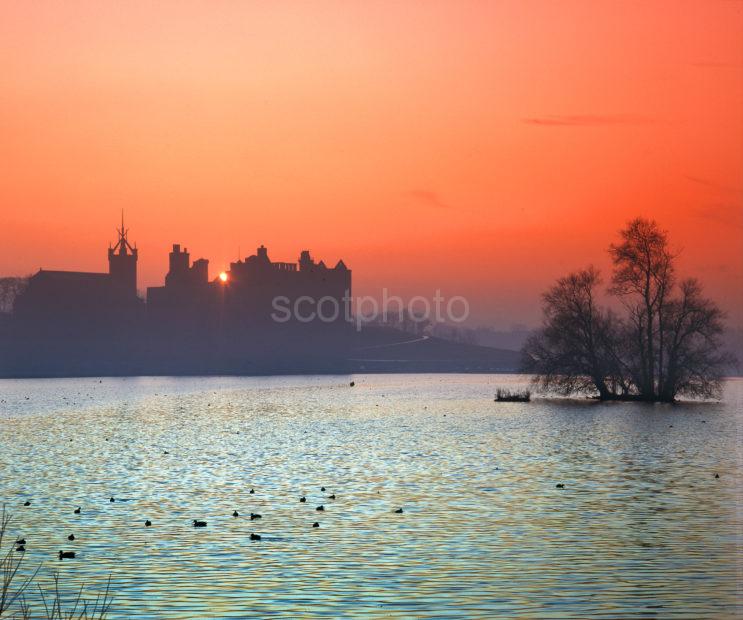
{"x":398,"y":511}
{"x":21,"y":548}
{"x":252,"y":491}
{"x":197,"y":523}
{"x":352,"y":383}
{"x":331,"y":496}
{"x":315,"y":524}
{"x":255,"y":537}
{"x":112,"y":500}
{"x":303,"y":499}
{"x":68,"y":555}
{"x":320,"y":508}
{"x":20,"y":541}
{"x":235,"y":513}
{"x":254,"y":516}
{"x":77,"y":510}
{"x":717,"y":475}
{"x":322,"y":488}
{"x":559,"y":485}
{"x":26,"y":503}
{"x":147,"y":523}
{"x":71,"y":537}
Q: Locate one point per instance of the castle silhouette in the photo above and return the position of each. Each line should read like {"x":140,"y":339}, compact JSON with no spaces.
{"x":69,"y":298}
{"x":77,"y":323}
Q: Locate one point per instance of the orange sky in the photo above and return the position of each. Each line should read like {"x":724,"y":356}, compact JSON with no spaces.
{"x":482,"y":148}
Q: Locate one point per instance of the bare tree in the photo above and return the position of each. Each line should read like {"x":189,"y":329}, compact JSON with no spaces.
{"x":575,"y":349}
{"x":643,"y":278}
{"x":668,"y":345}
{"x":10,"y":288}
{"x":694,"y":358}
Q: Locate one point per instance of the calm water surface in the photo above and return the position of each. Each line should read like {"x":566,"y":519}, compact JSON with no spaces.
{"x":641,"y":529}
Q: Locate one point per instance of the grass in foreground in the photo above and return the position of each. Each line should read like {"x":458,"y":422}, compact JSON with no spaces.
{"x":23,"y":598}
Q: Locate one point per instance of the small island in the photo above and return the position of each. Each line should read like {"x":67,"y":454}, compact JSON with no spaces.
{"x":666,"y":343}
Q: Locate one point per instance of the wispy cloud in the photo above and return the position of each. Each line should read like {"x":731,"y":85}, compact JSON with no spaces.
{"x":727,"y":215}
{"x":429,"y":198}
{"x":713,"y":64}
{"x":708,"y":183}
{"x":587,"y":120}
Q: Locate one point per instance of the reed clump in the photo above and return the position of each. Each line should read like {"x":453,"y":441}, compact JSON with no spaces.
{"x":23,"y":597}
{"x":505,"y":395}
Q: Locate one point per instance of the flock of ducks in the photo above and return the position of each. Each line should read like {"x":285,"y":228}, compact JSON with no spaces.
{"x":21,"y":542}
{"x":68,"y":555}
{"x":63,"y":555}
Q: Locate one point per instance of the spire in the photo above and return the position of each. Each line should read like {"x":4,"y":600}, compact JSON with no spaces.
{"x":123,"y":246}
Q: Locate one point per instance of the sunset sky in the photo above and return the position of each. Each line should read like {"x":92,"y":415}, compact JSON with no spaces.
{"x":479,"y":148}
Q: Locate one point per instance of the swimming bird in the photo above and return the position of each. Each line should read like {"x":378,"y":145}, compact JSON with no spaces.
{"x":66,"y":555}
{"x":197,"y":523}
{"x":322,"y":488}
{"x":252,"y":491}
{"x":255,"y":537}
{"x":398,"y":511}
{"x":77,"y":510}
{"x":20,"y":548}
{"x":320,"y":508}
{"x":717,"y":475}
{"x":235,"y":514}
{"x":303,"y":499}
{"x":71,"y":537}
{"x":112,"y":500}
{"x":352,"y":383}
{"x":331,"y":496}
{"x":255,"y":516}
{"x":315,"y":524}
{"x":27,"y":503}
{"x":20,"y":541}
{"x":147,"y":523}
{"x":559,"y":485}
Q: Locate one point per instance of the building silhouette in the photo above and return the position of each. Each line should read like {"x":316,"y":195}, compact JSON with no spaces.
{"x":82,"y":323}
{"x":122,"y":264}
{"x":249,"y":292}
{"x":75,"y":300}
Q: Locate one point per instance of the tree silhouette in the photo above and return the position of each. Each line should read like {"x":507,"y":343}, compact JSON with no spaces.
{"x":574,"y":351}
{"x":668,"y":344}
{"x":10,"y":288}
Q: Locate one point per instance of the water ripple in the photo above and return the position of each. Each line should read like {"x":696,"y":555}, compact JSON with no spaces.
{"x":641,"y":529}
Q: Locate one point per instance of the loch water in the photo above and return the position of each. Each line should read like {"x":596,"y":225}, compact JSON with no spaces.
{"x":641,"y":529}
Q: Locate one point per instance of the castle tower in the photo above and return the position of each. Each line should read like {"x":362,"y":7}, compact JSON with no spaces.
{"x":179,"y":262}
{"x":122,"y":263}
{"x":305,"y":261}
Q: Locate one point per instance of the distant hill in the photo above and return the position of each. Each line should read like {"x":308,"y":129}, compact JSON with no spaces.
{"x":380,"y":349}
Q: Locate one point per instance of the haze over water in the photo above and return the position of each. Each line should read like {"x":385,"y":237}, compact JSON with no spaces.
{"x":641,"y":529}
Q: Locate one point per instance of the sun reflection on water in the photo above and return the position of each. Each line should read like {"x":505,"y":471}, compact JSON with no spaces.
{"x":641,"y":529}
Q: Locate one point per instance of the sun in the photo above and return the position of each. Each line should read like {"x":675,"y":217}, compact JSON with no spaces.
{"x":223,"y":276}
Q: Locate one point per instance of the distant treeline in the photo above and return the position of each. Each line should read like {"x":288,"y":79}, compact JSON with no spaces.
{"x":10,"y":288}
